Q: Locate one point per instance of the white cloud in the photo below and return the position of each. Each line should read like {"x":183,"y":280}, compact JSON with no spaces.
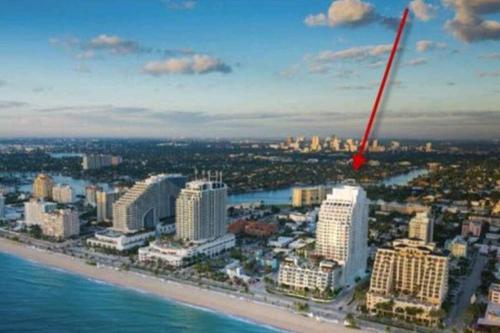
{"x":416,"y":62}
{"x":344,"y":12}
{"x":489,"y":74}
{"x":468,"y":24}
{"x":429,"y":45}
{"x":113,"y":43}
{"x":491,"y":56}
{"x":196,"y":64}
{"x":422,"y":11}
{"x":358,"y":53}
{"x":180,"y":4}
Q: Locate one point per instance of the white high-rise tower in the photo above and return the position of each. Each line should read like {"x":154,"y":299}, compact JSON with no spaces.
{"x":342,"y":231}
{"x":201,"y":210}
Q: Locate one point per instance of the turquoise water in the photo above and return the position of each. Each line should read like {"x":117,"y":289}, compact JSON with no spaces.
{"x":34,"y":298}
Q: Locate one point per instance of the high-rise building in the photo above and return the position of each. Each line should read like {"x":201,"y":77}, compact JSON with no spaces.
{"x":315,"y":143}
{"x":91,"y":194}
{"x":35,"y":209}
{"x":2,"y":206}
{"x":201,"y":210}
{"x":335,"y":144}
{"x":97,"y":161}
{"x":421,"y":227}
{"x":105,"y":201}
{"x":409,"y":280}
{"x":342,"y":231}
{"x":61,"y":224}
{"x":309,"y":196}
{"x":63,"y":194}
{"x":42,"y":186}
{"x":148,"y":201}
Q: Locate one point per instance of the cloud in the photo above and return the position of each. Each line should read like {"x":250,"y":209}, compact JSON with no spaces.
{"x":113,"y":44}
{"x":491,"y":56}
{"x":350,"y":13}
{"x":11,"y":104}
{"x":416,"y":62}
{"x":422,"y":11}
{"x":289,"y":72}
{"x":344,"y":12}
{"x":358,"y":53}
{"x":180,"y":4}
{"x":489,"y":74}
{"x":196,"y":64}
{"x":3,"y":83}
{"x":428,"y":45}
{"x":468,"y":25}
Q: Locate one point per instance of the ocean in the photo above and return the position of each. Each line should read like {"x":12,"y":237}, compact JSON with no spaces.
{"x":35,"y":298}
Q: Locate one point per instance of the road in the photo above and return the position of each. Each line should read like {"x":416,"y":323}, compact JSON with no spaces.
{"x":466,"y":290}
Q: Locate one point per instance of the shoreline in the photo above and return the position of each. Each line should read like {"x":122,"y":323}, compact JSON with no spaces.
{"x":185,"y":295}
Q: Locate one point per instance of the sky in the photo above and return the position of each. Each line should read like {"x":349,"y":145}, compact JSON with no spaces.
{"x":254,"y":68}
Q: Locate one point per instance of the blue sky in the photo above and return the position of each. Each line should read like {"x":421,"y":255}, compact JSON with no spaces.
{"x":210,"y":68}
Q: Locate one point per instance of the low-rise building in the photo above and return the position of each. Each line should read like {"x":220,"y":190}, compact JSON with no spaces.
{"x":179,"y":254}
{"x":457,"y":247}
{"x":304,"y":275}
{"x":492,"y":315}
{"x":472,"y":228}
{"x":121,"y":241}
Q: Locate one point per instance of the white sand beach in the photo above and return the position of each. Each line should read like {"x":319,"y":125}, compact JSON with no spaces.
{"x":260,"y":313}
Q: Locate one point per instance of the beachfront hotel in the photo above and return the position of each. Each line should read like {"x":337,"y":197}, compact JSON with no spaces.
{"x":201,"y":210}
{"x":342,"y":231}
{"x":201,"y":226}
{"x":298,"y":274}
{"x":42,"y":186}
{"x":147,"y":202}
{"x":409,"y":281}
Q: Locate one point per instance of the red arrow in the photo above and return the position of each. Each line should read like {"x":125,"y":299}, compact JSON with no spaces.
{"x":358,"y":160}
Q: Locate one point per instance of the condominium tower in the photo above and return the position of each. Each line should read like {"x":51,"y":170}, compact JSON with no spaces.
{"x":148,"y":201}
{"x":61,"y":224}
{"x":42,"y":186}
{"x":409,"y":274}
{"x":310,"y":195}
{"x":2,"y":206}
{"x":35,"y":209}
{"x":342,"y":231}
{"x":63,"y":194}
{"x":421,"y":227}
{"x":104,"y":203}
{"x":201,"y":210}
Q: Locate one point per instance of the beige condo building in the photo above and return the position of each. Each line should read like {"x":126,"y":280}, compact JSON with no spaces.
{"x":61,"y":224}
{"x":42,"y":186}
{"x":309,"y":196}
{"x":409,"y":281}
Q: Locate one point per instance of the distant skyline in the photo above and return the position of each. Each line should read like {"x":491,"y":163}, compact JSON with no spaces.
{"x":225,"y":68}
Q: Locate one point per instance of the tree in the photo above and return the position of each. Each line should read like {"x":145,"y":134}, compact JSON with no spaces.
{"x":35,"y":231}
